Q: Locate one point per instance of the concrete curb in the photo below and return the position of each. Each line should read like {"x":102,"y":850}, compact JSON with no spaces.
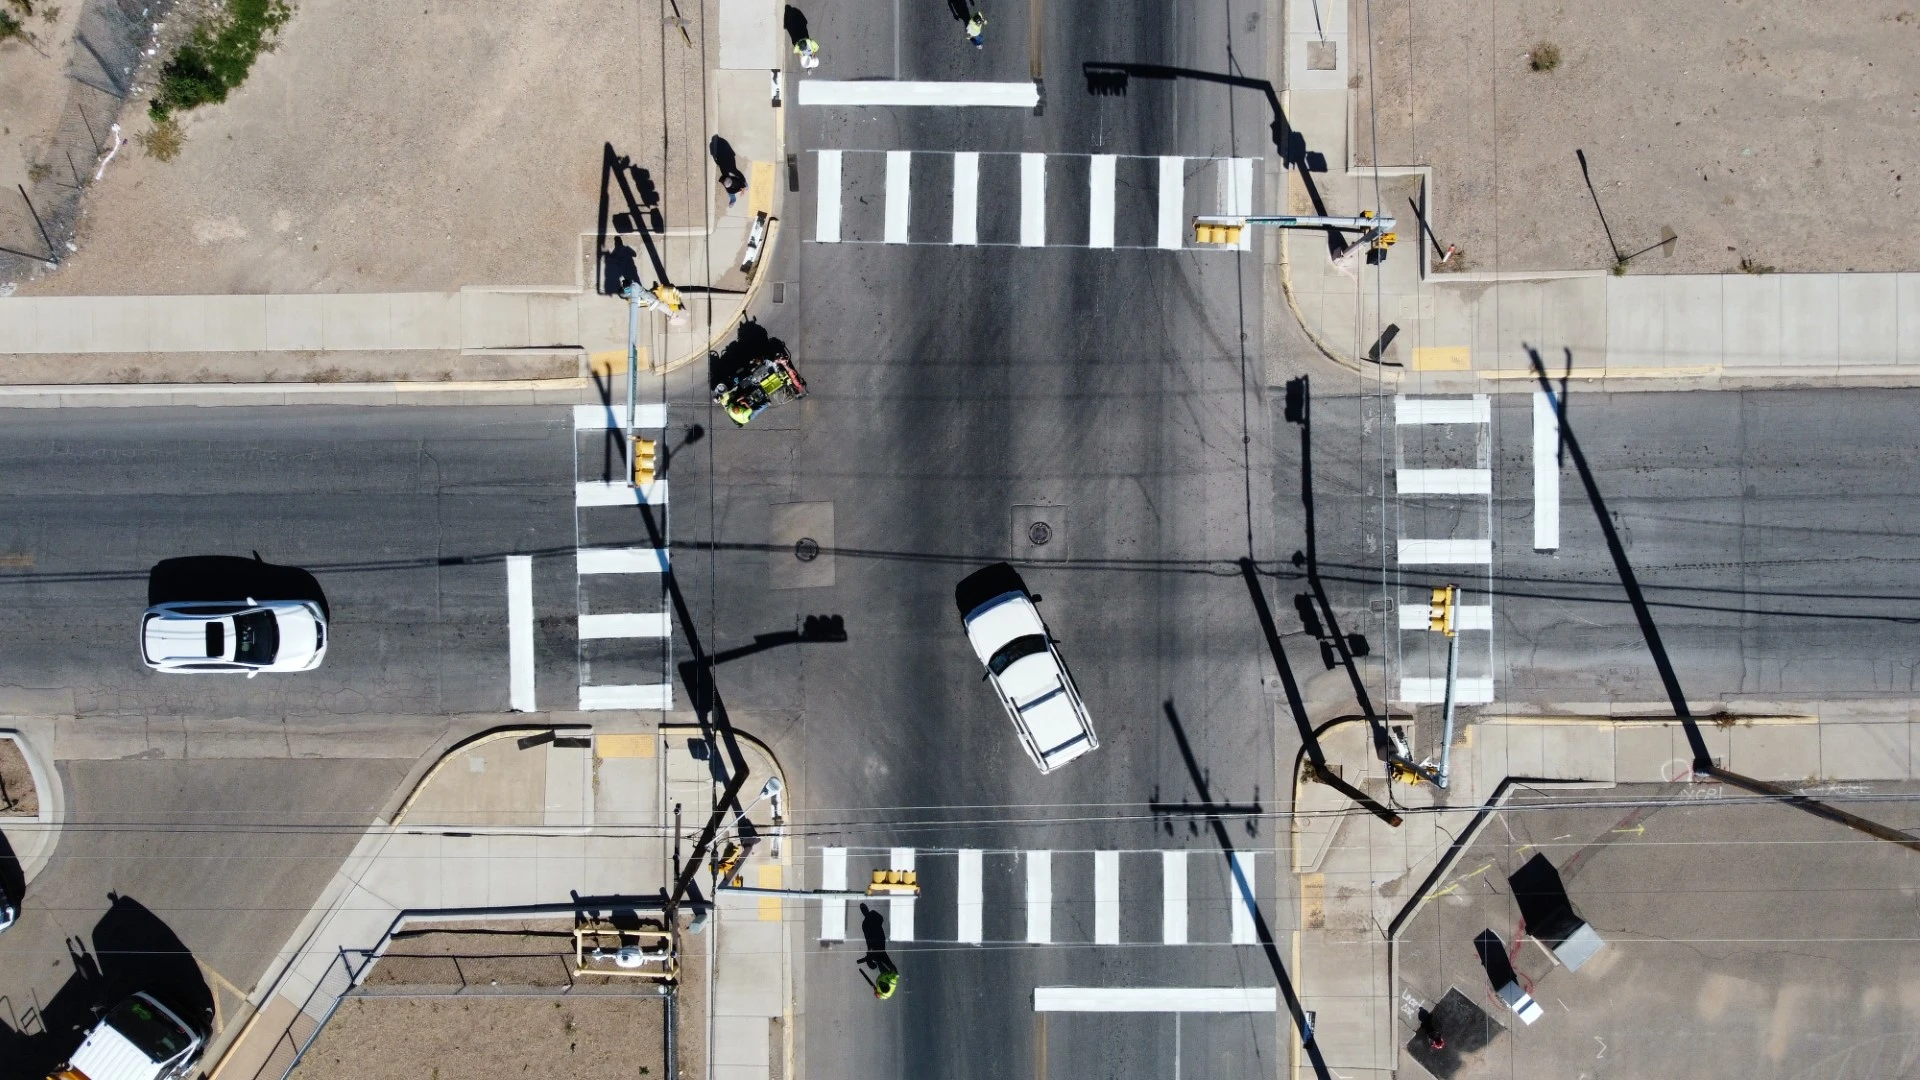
{"x":124,"y":395}
{"x":465,"y":745}
{"x":43,"y":835}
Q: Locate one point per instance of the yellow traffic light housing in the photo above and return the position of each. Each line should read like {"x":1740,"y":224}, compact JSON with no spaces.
{"x":902,"y":882}
{"x":1440,"y":616}
{"x":645,"y":456}
{"x":1225,"y":235}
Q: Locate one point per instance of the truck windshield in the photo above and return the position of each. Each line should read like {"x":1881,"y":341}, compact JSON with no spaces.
{"x":257,"y":638}
{"x":1016,"y":649}
{"x":148,"y":1028}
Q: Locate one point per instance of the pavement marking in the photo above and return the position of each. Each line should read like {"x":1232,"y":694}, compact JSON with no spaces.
{"x":16,"y":560}
{"x":618,"y":493}
{"x":1477,"y":617}
{"x":1173,"y":203}
{"x":1100,"y":182}
{"x":1033,"y":200}
{"x":1444,"y":481}
{"x":899,"y":183}
{"x":1445,"y":552}
{"x":769,"y":877}
{"x":636,"y":624}
{"x":1240,"y":883}
{"x":833,"y":910}
{"x":636,"y":560}
{"x":1156,"y":999}
{"x":1442,"y":358}
{"x":966,"y":198}
{"x":760,"y":192}
{"x":1012,"y":95}
{"x":1546,"y":474}
{"x":901,"y":858}
{"x":651,"y":696}
{"x":1424,"y":691}
{"x":826,"y":216}
{"x":1173,"y":897}
{"x":1477,"y":409}
{"x":613,"y":417}
{"x":1693,"y":371}
{"x":1236,"y":194}
{"x":1106,"y":898}
{"x":971,"y":904}
{"x":1039,"y":897}
{"x":624,"y":746}
{"x":520,"y":697}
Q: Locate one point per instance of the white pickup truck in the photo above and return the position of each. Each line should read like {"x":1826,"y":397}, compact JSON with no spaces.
{"x":140,"y":1039}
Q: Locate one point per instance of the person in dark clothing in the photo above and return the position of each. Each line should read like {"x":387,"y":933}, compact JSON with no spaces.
{"x":886,"y":977}
{"x":732,"y":180}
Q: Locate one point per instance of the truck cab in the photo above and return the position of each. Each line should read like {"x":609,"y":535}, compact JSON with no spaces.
{"x":139,"y":1039}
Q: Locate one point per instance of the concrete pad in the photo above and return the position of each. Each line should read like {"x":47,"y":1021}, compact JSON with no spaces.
{"x":1577,"y":751}
{"x":17,"y":333}
{"x":553,"y":320}
{"x":1644,"y":753}
{"x":1526,"y":750}
{"x":405,"y":871}
{"x":750,"y":36}
{"x":1809,"y":320}
{"x":1522,"y":315}
{"x":1487,"y":746}
{"x":63,"y":323}
{"x":237,"y":323}
{"x":1906,"y":318}
{"x":561,"y":869}
{"x":1751,"y":320}
{"x":1865,"y":752}
{"x":295,"y":323}
{"x":424,"y":320}
{"x":1695,"y":317}
{"x":743,"y":100}
{"x":1776,"y":751}
{"x":463,"y":872}
{"x":355,"y":321}
{"x":1866,"y":712}
{"x":569,"y":786}
{"x":743,"y":1042}
{"x":1869,"y":329}
{"x":1636,"y":322}
{"x":493,"y":320}
{"x":124,"y":323}
{"x":752,"y":982}
{"x":513,"y":869}
{"x":626,"y":791}
{"x":1344,"y":983}
{"x":1573,"y":315}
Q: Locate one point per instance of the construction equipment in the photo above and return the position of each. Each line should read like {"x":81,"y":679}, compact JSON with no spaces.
{"x":759,"y":386}
{"x":894,"y":882}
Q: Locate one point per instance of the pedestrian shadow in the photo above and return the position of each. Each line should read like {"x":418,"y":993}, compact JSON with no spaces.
{"x":203,"y":578}
{"x":133,"y":950}
{"x":795,"y":22}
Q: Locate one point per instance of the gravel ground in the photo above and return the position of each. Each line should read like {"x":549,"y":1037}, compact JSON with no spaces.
{"x":400,"y":147}
{"x":17,"y":794}
{"x":1737,"y":124}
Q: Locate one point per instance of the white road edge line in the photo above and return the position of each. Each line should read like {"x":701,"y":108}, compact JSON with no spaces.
{"x":1173,"y":203}
{"x":1039,"y":897}
{"x":1100,"y":183}
{"x":833,"y":877}
{"x":826,"y":215}
{"x":966,"y":198}
{"x":1173,"y":897}
{"x":1106,"y":898}
{"x":1160,"y":999}
{"x":902,"y":906}
{"x":899,"y":194}
{"x":1546,"y":474}
{"x":1011,"y":95}
{"x":520,"y":696}
{"x":1033,"y":200}
{"x":971,"y":905}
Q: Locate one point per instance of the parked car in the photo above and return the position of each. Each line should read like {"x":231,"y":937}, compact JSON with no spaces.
{"x":1023,"y":664}
{"x":250,"y":636}
{"x":139,"y":1039}
{"x":9,"y":911}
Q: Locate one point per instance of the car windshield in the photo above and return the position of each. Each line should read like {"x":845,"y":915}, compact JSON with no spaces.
{"x":258,"y":638}
{"x":1016,"y":649}
{"x":149,"y":1029}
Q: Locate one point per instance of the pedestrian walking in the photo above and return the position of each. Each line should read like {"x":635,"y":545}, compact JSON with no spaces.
{"x":808,"y":50}
{"x":977,"y":29}
{"x":804,"y":47}
{"x":1431,"y":1031}
{"x":732,"y":180}
{"x":886,"y":977}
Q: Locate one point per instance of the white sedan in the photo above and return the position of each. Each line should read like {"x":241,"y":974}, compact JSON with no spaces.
{"x":1011,"y":639}
{"x":251,"y":636}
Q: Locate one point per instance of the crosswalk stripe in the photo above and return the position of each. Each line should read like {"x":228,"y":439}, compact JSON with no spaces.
{"x":1443,"y":481}
{"x":618,"y":493}
{"x":637,"y":624}
{"x":635,"y":560}
{"x":1240,"y":886}
{"x":648,"y":696}
{"x":613,"y":417}
{"x":826,"y":215}
{"x":1236,"y":194}
{"x":902,"y":906}
{"x":1173,"y":897}
{"x":899,"y":192}
{"x":1430,"y":691}
{"x":520,"y":696}
{"x":1477,"y":409}
{"x":833,"y":911}
{"x":1100,"y":172}
{"x":1039,"y":897}
{"x":971,"y":904}
{"x":1546,"y":474}
{"x":1173,"y":202}
{"x":966,"y":198}
{"x":1106,"y":898}
{"x":1445,"y":552}
{"x":1033,"y":200}
{"x":1465,"y":617}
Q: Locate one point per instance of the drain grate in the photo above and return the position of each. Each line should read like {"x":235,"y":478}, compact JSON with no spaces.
{"x":806,"y":549}
{"x":1039,"y":533}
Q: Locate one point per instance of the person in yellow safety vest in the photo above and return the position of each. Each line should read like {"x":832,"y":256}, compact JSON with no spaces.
{"x":886,"y":984}
{"x":977,"y":28}
{"x":808,"y":50}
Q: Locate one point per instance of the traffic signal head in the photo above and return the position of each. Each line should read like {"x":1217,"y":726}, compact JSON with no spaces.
{"x":1106,"y":82}
{"x":1440,"y":614}
{"x":645,"y":457}
{"x":1224,"y":235}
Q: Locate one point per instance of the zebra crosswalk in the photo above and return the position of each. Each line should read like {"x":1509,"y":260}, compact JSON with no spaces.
{"x":1444,"y":485}
{"x":1040,"y":884}
{"x":622,"y":589}
{"x":1061,"y":200}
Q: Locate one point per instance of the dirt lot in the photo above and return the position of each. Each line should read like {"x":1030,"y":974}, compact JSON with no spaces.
{"x":403,"y":146}
{"x":499,"y":1012}
{"x":17,"y":794}
{"x":1767,"y":130}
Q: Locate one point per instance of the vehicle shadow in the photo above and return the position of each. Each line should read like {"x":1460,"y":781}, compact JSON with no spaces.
{"x":750,"y":345}
{"x":13,"y":876}
{"x":229,"y":577}
{"x":132,"y":950}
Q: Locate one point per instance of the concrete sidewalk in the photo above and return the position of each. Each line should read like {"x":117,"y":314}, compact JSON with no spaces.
{"x":1355,"y":874}
{"x":1464,"y":332}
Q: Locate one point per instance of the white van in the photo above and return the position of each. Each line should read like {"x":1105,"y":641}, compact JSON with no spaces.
{"x":140,"y":1039}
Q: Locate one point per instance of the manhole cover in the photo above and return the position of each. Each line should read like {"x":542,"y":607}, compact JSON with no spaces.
{"x":806,"y":549}
{"x":1039,"y":533}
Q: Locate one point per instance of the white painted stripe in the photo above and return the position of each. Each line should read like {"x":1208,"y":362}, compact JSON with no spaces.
{"x":1106,"y":898}
{"x":1445,"y":481}
{"x":902,"y":906}
{"x":1415,"y":616}
{"x":1477,"y":409}
{"x":1012,"y":95}
{"x":639,"y":624}
{"x":650,"y":697}
{"x":826,"y":215}
{"x":1241,"y":882}
{"x":833,"y":877}
{"x":1546,"y":474}
{"x":520,"y":633}
{"x":1158,"y":999}
{"x":1445,"y":552}
{"x":1100,"y":184}
{"x":1039,"y":897}
{"x":1033,"y":200}
{"x":622,"y":560}
{"x":1236,"y":193}
{"x":971,"y":904}
{"x":651,"y":414}
{"x":1173,"y":202}
{"x":1423,"y":691}
{"x":618,"y":493}
{"x":899,"y":194}
{"x":966,"y":198}
{"x":1173,"y":897}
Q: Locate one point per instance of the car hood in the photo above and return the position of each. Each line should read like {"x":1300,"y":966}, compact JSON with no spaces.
{"x":994,"y":624}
